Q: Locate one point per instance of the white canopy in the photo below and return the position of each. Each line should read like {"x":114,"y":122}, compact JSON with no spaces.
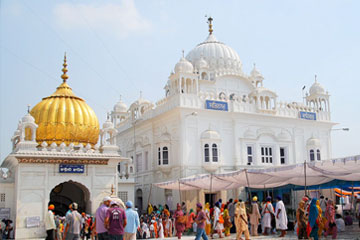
{"x":309,"y":173}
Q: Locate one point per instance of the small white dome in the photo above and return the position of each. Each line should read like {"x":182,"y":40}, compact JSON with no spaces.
{"x":255,"y":73}
{"x":120,"y":107}
{"x":28,"y":119}
{"x":108,"y":124}
{"x":201,"y":63}
{"x":316,"y":88}
{"x":220,"y":57}
{"x":313,"y":142}
{"x":184,"y":66}
{"x":210,"y":134}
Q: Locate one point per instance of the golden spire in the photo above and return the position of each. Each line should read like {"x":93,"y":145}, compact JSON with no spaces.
{"x":210,"y":19}
{"x":64,"y":76}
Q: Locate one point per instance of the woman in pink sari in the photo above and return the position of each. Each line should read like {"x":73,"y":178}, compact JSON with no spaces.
{"x":179,"y":223}
{"x":330,"y":223}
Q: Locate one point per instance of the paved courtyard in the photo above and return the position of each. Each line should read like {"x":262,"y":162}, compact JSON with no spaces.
{"x":352,"y":232}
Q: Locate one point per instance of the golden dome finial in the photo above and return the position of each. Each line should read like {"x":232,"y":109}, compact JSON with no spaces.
{"x":210,"y":19}
{"x":64,"y":76}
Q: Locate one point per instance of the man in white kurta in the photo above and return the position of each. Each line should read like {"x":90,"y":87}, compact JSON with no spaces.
{"x":267,"y":211}
{"x":280,"y":216}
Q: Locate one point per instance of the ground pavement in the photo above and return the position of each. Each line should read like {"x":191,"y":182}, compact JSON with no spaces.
{"x":352,"y":232}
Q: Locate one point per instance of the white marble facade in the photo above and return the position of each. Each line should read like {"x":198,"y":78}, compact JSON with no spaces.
{"x":180,"y":135}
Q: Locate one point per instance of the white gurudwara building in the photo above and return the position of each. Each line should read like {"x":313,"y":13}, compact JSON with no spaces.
{"x":217,"y":118}
{"x":56,"y":159}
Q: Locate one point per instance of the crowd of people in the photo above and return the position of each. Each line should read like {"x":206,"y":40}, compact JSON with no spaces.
{"x":111,"y":222}
{"x":314,"y":218}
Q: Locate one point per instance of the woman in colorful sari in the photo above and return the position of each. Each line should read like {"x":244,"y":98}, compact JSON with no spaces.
{"x":321,"y":222}
{"x":227,"y":221}
{"x":179,"y":222}
{"x":207,"y":222}
{"x":330,"y":216}
{"x":313,"y":219}
{"x":301,"y":221}
{"x":190,"y":220}
{"x":241,"y":221}
{"x":218,"y":224}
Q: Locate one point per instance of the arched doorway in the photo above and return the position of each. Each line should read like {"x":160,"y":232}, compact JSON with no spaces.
{"x":139,"y":200}
{"x":66,"y":193}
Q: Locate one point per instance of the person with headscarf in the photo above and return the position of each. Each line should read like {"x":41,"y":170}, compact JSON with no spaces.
{"x":254,"y":217}
{"x":241,"y":221}
{"x":280,"y":216}
{"x":267,"y":212}
{"x":227,"y":221}
{"x":168,"y":225}
{"x":207,"y":222}
{"x":301,"y":221}
{"x":190,"y":220}
{"x":330,"y":217}
{"x":313,"y":219}
{"x":179,"y":221}
{"x":50,"y":225}
{"x":321,"y":222}
{"x":218,"y":225}
{"x":150,"y":209}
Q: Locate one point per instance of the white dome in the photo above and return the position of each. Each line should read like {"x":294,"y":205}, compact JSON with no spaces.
{"x":120,"y":107}
{"x":220,"y":57}
{"x":28,"y":119}
{"x":108,"y":124}
{"x":316,"y":88}
{"x":255,"y":73}
{"x":184,"y":66}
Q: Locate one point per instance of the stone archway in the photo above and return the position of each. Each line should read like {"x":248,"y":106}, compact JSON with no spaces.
{"x":68,"y":192}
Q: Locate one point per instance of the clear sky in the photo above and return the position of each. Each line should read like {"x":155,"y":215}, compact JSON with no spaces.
{"x":123,"y":47}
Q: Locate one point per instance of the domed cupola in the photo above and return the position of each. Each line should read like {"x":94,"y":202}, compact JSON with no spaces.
{"x":64,"y":117}
{"x":256,"y":77}
{"x":316,"y":88}
{"x":222,"y":59}
{"x":120,"y":107}
{"x":318,"y":98}
{"x":184,"y":66}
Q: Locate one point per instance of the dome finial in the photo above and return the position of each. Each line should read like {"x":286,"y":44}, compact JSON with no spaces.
{"x":315,"y":78}
{"x":210,"y":19}
{"x":28,"y":108}
{"x":64,"y":76}
{"x":183,"y":53}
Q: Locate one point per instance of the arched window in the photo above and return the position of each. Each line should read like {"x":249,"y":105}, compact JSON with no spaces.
{"x":206,"y":153}
{"x":159,"y":156}
{"x":214,"y":153}
{"x":312,"y":155}
{"x":204,"y":76}
{"x":318,"y":155}
{"x":232,"y":96}
{"x":165,"y":156}
{"x":119,"y":167}
{"x":28,"y":134}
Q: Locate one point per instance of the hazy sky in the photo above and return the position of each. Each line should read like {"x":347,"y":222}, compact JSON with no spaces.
{"x":123,"y":47}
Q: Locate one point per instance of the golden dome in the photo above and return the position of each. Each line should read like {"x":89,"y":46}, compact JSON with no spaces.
{"x":64,"y":117}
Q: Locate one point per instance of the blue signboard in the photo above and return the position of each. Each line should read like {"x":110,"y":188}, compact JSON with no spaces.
{"x":216,"y":105}
{"x":308,"y":115}
{"x":71,"y":168}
